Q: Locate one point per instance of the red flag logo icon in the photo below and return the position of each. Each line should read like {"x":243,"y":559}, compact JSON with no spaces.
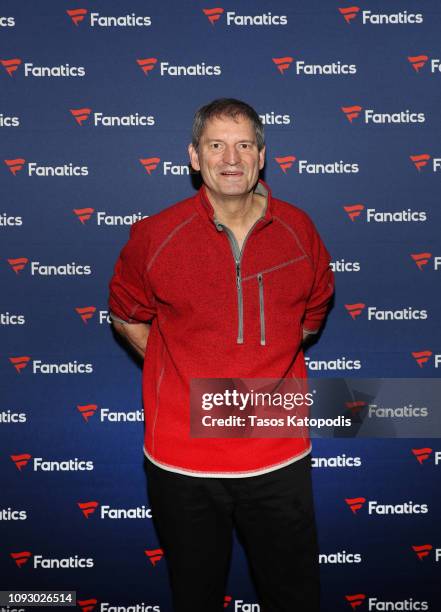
{"x":418,"y":61}
{"x":227,"y":600}
{"x":422,"y":551}
{"x":283,"y":63}
{"x":150,"y":163}
{"x":353,"y":210}
{"x":86,"y":313}
{"x":147,"y":64}
{"x":15,"y":165}
{"x":87,"y":605}
{"x":83,"y":214}
{"x":351,"y":112}
{"x":77,"y":15}
{"x":285,"y":162}
{"x":21,"y":461}
{"x":88,"y":508}
{"x":87,"y":410}
{"x":355,"y":310}
{"x":19,"y":363}
{"x":422,"y":454}
{"x":421,"y":259}
{"x":349,"y":12}
{"x":213,"y":14}
{"x":154,"y":555}
{"x":422,"y":357}
{"x":21,"y":558}
{"x":81,"y":114}
{"x":355,"y":503}
{"x":355,"y":600}
{"x":18,"y":263}
{"x":355,"y":407}
{"x":420,"y":160}
{"x":11,"y":65}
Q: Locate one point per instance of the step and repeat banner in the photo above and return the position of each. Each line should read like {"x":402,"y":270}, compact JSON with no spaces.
{"x":96,"y":106}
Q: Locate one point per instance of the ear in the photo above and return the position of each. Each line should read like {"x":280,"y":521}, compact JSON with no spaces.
{"x":262,"y":158}
{"x":194,"y":159}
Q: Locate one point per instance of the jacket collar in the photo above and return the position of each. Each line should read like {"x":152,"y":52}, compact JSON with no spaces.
{"x":206,"y":209}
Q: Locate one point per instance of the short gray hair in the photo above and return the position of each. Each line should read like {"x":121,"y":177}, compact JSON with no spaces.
{"x":226,"y":107}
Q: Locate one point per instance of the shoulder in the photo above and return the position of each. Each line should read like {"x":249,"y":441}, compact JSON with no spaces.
{"x":166,"y":220}
{"x":293,"y":218}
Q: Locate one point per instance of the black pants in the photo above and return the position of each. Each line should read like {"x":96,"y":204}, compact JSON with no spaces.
{"x":274,"y":517}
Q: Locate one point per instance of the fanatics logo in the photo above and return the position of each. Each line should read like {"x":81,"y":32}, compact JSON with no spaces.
{"x":87,"y":410}
{"x":21,"y":461}
{"x":10,"y":65}
{"x":15,"y":165}
{"x":421,"y":259}
{"x":18,"y":264}
{"x":418,"y":61}
{"x":351,"y":112}
{"x":420,"y":160}
{"x":422,"y":357}
{"x":227,"y":600}
{"x":77,"y":15}
{"x":355,"y":503}
{"x":355,"y":407}
{"x":154,"y":555}
{"x":150,"y":163}
{"x":87,"y":605}
{"x":83,"y":214}
{"x":422,"y":551}
{"x":19,"y":363}
{"x":81,"y":114}
{"x":349,"y":13}
{"x":86,"y":313}
{"x":21,"y":558}
{"x":285,"y":162}
{"x":213,"y":14}
{"x":88,"y":508}
{"x":355,"y":600}
{"x":355,"y":310}
{"x":283,"y":63}
{"x":147,"y":64}
{"x":422,"y":454}
{"x":354,"y":210}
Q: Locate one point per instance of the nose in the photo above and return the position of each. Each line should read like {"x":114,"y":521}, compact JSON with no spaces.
{"x":231,"y":155}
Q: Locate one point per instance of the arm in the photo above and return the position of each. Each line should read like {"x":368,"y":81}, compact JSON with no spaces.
{"x":135,"y":334}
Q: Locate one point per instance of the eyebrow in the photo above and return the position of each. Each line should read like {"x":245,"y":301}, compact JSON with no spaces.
{"x":220,"y":140}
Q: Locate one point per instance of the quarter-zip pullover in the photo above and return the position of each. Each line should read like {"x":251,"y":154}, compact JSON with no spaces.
{"x":218,"y":311}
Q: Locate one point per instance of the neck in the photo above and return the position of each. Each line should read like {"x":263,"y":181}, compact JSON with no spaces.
{"x":236,"y":210}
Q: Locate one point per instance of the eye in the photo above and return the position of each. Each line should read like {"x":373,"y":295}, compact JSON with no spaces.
{"x":245,"y":145}
{"x":215,"y":146}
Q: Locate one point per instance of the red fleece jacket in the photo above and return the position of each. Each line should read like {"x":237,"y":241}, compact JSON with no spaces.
{"x":219,"y":313}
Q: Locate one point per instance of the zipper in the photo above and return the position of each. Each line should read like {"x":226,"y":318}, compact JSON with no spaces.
{"x":237,"y":254}
{"x":261,"y":310}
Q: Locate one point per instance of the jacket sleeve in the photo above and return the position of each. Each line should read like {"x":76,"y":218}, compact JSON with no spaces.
{"x":322,"y":287}
{"x":131,"y":298}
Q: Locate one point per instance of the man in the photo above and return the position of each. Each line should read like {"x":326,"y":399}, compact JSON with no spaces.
{"x":225,"y":284}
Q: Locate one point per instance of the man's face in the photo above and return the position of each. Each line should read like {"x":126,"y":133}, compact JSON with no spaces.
{"x":227,"y":156}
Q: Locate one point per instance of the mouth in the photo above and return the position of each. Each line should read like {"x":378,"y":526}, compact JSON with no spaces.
{"x":232,"y":173}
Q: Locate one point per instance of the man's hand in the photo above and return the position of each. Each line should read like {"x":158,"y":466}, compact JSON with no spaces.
{"x":135,"y":334}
